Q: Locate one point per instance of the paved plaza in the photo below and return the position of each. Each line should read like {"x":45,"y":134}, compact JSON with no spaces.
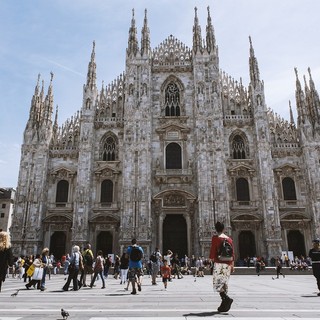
{"x":292,"y":297}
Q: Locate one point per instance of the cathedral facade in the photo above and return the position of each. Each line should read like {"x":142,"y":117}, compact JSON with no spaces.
{"x":171,"y":146}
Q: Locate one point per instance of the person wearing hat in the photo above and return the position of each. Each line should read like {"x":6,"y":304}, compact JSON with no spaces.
{"x":314,"y":254}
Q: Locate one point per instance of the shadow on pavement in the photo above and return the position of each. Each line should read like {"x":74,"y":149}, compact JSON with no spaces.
{"x":202,"y":314}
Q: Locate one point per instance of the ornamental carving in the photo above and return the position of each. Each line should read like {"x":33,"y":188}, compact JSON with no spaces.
{"x":60,"y":227}
{"x":172,"y":200}
{"x":171,"y":52}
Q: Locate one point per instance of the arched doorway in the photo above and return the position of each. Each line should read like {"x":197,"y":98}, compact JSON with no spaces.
{"x":58,"y":244}
{"x":247,"y":244}
{"x":105,"y":242}
{"x":296,"y":243}
{"x":175,"y":235}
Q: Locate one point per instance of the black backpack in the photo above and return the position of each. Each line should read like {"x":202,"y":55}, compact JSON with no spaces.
{"x":135,"y":254}
{"x":225,"y":252}
{"x":153,"y":257}
{"x":88,"y":260}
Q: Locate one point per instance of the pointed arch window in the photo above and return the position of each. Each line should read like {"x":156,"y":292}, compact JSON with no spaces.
{"x":173,"y":156}
{"x":242,"y":188}
{"x":289,"y":189}
{"x":172,"y":100}
{"x":109,"y":149}
{"x":238,"y":148}
{"x":106,"y":191}
{"x":62,"y":192}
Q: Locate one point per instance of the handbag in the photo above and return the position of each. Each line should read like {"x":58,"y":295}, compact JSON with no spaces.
{"x":30,"y":270}
{"x":71,"y":267}
{"x":38,"y":273}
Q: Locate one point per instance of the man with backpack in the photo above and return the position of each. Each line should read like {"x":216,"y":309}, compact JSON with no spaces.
{"x":155,"y":259}
{"x":87,"y":256}
{"x":222,"y":254}
{"x":135,"y":273}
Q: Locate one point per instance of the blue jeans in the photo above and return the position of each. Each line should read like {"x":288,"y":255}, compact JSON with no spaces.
{"x":95,"y":276}
{"x":43,"y":280}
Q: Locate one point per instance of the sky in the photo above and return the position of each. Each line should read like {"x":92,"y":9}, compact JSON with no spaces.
{"x":39,"y":37}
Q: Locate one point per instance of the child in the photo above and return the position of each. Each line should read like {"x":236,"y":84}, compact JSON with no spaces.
{"x":166,"y":273}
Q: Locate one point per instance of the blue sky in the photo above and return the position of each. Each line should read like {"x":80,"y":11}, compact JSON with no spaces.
{"x":56,"y":35}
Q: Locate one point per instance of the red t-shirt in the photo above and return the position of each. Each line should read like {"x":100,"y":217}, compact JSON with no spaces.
{"x":166,"y":272}
{"x":215,"y":245}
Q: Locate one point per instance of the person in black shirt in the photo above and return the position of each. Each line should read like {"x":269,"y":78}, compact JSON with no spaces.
{"x":6,"y":259}
{"x":314,"y":254}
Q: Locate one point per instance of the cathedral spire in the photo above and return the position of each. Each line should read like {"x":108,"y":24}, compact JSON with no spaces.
{"x":254,"y":68}
{"x":210,"y":37}
{"x":48,"y":104}
{"x":92,"y":76}
{"x":36,"y":90}
{"x":300,"y":100}
{"x":42,"y":90}
{"x":314,"y":99}
{"x":132,"y":41}
{"x":55,"y":124}
{"x":197,"y":41}
{"x":145,"y":38}
{"x":102,"y":95}
{"x":35,"y":103}
{"x":291,"y":114}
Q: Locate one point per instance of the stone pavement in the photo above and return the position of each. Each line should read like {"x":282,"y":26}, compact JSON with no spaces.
{"x":292,"y":297}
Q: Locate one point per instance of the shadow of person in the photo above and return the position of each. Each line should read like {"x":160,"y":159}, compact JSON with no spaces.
{"x":202,"y":314}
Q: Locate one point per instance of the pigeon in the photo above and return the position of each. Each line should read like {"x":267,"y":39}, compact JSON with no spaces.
{"x":65,"y":314}
{"x":15,"y":294}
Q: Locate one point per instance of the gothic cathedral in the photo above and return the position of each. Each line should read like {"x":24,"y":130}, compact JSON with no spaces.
{"x":169,"y":147}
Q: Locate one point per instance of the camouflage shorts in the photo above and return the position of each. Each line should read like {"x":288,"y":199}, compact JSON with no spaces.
{"x":221,"y":275}
{"x":134,"y":273}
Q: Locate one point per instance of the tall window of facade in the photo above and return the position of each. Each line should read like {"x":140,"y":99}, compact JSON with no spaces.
{"x":173,"y":156}
{"x":172,"y":100}
{"x":109,"y":149}
{"x":242,"y":187}
{"x":106,"y":191}
{"x":238,"y":148}
{"x":289,"y":189}
{"x":62,"y":191}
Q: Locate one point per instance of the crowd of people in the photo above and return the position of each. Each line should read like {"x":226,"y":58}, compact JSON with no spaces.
{"x":83,"y":269}
{"x":297,"y":263}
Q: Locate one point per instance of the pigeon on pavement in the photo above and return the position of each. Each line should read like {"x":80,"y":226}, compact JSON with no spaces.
{"x":15,"y":294}
{"x":65,"y":314}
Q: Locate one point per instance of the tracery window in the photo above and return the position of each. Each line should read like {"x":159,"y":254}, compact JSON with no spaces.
{"x":242,"y":187}
{"x":62,"y":191}
{"x":106,"y":191}
{"x":289,"y":189}
{"x":109,"y":149}
{"x":172,"y":100}
{"x":238,"y":148}
{"x":173,"y":156}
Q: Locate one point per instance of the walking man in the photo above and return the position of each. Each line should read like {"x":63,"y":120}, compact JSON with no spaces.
{"x":155,"y":259}
{"x":88,"y":258}
{"x":135,"y":253}
{"x":221,"y":253}
{"x":278,"y":268}
{"x":314,"y":254}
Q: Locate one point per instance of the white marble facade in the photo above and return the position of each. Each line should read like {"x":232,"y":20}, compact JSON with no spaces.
{"x":169,"y":147}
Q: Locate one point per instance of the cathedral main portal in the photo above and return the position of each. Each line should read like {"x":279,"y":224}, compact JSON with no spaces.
{"x":105,"y":242}
{"x":175,"y":236}
{"x":58,"y":244}
{"x":174,"y":217}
